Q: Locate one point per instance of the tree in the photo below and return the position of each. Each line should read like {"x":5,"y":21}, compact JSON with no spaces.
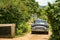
{"x":53,"y":14}
{"x":18,"y":12}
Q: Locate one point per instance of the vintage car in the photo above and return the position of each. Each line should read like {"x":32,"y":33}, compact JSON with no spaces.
{"x":40,"y":25}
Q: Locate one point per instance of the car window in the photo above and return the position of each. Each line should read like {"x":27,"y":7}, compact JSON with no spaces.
{"x":39,"y":21}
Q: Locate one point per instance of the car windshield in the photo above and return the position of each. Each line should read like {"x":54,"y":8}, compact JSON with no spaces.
{"x":40,"y":22}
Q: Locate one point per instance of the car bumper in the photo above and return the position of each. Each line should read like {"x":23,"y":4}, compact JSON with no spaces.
{"x":41,"y":30}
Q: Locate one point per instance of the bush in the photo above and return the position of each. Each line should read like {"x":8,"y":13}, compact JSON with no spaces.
{"x":18,"y":12}
{"x":11,"y":13}
{"x":53,"y":14}
{"x":24,"y":27}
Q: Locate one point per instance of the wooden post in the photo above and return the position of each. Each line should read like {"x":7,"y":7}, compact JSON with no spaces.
{"x":13,"y":30}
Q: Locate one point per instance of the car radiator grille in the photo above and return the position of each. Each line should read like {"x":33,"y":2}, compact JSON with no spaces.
{"x":39,"y":28}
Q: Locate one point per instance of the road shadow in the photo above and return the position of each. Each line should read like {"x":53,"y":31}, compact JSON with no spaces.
{"x":44,"y":33}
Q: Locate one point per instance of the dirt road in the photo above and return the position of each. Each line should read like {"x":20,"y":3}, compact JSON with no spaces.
{"x":39,"y":37}
{"x":31,"y":37}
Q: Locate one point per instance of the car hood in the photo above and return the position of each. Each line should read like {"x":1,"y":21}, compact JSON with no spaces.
{"x":39,"y":25}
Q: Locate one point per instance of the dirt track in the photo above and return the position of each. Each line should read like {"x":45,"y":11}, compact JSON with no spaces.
{"x":39,"y":37}
{"x":30,"y":37}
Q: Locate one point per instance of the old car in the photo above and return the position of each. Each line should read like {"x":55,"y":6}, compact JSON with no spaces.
{"x":40,"y":25}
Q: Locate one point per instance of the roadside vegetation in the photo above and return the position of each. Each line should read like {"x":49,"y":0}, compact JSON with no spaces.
{"x":52,"y":11}
{"x":53,"y":14}
{"x":18,"y":12}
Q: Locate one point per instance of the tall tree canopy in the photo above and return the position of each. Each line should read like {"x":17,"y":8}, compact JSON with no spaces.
{"x":53,"y":13}
{"x":18,"y":12}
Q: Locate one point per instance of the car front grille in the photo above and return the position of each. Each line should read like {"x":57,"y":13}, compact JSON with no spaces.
{"x":41,"y":28}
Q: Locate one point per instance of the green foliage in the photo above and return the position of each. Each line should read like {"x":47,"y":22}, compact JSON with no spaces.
{"x":24,"y":27}
{"x":53,"y":14}
{"x":18,"y":12}
{"x":43,"y":14}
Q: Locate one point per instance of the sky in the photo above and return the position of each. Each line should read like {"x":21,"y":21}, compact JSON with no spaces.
{"x":44,"y":2}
